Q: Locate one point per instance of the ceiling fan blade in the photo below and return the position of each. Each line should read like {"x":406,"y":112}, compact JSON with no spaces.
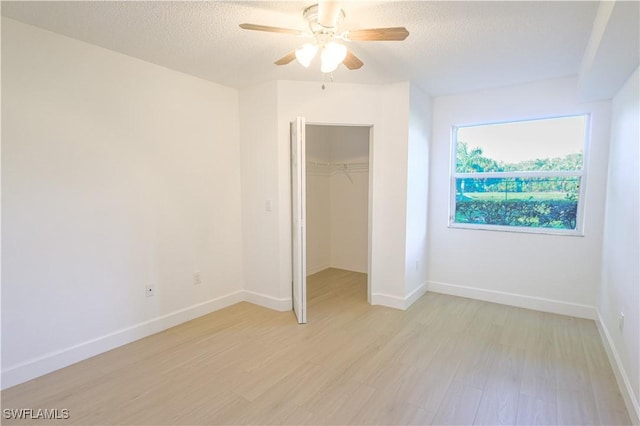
{"x":379,"y":34}
{"x":352,"y":62}
{"x":288,"y":58}
{"x":268,"y":29}
{"x":328,"y":12}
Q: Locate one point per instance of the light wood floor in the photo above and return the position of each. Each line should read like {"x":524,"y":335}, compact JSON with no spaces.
{"x":446,"y":360}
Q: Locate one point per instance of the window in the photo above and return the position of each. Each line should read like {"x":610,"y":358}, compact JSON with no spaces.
{"x":519,"y":176}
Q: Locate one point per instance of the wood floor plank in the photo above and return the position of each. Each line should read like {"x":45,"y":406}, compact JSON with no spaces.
{"x":446,"y":360}
{"x":459,"y":405}
{"x":609,"y":403}
{"x":539,"y":367}
{"x":431,"y":388}
{"x":533,"y":411}
{"x":476,"y":359}
{"x":576,"y":406}
{"x":499,"y":403}
{"x":385,"y":410}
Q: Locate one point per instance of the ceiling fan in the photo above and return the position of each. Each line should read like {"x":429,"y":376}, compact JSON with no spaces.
{"x":324,"y":20}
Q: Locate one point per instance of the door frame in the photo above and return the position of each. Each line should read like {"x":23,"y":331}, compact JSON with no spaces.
{"x":297,"y":135}
{"x":370,"y":195}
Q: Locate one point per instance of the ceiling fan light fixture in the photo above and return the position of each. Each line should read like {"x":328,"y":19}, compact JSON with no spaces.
{"x":306,"y":53}
{"x":325,"y":19}
{"x":331,"y":56}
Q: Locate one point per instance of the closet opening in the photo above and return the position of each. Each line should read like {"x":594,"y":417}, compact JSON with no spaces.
{"x":338,"y":205}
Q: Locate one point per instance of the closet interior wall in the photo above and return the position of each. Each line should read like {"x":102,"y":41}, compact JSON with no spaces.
{"x":337,"y":197}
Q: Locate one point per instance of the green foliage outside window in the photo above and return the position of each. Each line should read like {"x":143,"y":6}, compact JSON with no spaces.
{"x":558,"y":214}
{"x":541,"y":202}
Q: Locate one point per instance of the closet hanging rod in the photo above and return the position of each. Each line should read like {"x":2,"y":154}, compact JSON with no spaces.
{"x":342,"y":164}
{"x":345,"y":170}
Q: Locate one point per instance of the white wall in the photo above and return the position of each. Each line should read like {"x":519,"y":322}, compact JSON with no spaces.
{"x":318,"y":148}
{"x":349,"y":143}
{"x":318,"y":143}
{"x":349,"y":221}
{"x":261,"y":207}
{"x":546,"y":272}
{"x":318,"y":222}
{"x":417,"y":193}
{"x":115,"y":174}
{"x":620,"y":288}
{"x":349,"y":205}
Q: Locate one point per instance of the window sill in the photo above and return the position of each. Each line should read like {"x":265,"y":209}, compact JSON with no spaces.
{"x":519,"y":229}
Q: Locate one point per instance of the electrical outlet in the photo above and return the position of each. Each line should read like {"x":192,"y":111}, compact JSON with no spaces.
{"x":621,"y":321}
{"x":417,"y":265}
{"x":150,"y":290}
{"x":197,"y":278}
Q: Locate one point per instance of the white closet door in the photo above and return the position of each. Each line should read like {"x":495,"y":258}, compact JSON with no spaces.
{"x":298,"y":219}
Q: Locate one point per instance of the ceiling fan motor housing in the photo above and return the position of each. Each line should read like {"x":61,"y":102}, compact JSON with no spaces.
{"x":336,"y":16}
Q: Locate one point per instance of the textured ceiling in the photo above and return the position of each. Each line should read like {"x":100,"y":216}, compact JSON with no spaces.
{"x":453,"y":46}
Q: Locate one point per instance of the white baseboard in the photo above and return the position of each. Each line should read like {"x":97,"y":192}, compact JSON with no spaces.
{"x":341,"y":267}
{"x":398,"y":302}
{"x":415,"y":295}
{"x":519,"y":300}
{"x":52,"y":361}
{"x":630,"y":399}
{"x":351,"y":268}
{"x":281,"y":305}
{"x":316,"y":269}
{"x":387,"y":300}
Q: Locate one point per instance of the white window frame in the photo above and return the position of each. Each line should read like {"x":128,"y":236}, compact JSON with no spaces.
{"x":581,"y":175}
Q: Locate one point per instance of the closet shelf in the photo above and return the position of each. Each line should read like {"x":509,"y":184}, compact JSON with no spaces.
{"x":333,"y":168}
{"x":316,"y":168}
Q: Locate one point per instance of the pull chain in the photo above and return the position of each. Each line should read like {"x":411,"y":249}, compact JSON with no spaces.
{"x":324,"y":79}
